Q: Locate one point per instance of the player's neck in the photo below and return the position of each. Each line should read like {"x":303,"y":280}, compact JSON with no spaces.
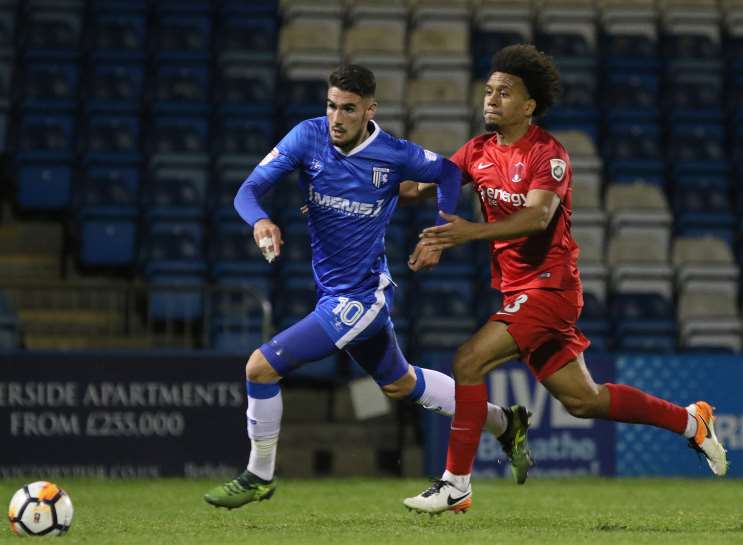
{"x":360,"y":140}
{"x":512,"y":133}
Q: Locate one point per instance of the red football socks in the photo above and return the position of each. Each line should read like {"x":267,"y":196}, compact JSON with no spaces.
{"x":470,"y":412}
{"x":628,"y":404}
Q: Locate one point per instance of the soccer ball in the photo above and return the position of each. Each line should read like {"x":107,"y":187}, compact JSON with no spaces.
{"x":40,"y":509}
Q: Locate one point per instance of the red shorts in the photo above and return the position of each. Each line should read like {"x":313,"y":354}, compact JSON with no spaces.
{"x":542,"y":322}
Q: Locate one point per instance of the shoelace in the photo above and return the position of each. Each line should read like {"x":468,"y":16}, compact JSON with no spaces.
{"x":234,"y":487}
{"x":435,"y":488}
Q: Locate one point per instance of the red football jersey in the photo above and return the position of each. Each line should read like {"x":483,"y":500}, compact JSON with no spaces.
{"x":502,"y":175}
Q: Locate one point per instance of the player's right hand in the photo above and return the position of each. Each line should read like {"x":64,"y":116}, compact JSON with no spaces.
{"x":267,"y":236}
{"x":423,"y":258}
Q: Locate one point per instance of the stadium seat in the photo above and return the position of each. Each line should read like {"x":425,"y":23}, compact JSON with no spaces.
{"x":709,"y":318}
{"x":638,"y":314}
{"x":182,"y":89}
{"x":107,"y":217}
{"x":50,"y":86}
{"x":576,"y":110}
{"x":115,"y":87}
{"x":176,"y":194}
{"x":6,"y":81}
{"x":117,"y":35}
{"x":311,"y":42}
{"x":174,"y":248}
{"x":698,"y":148}
{"x":639,"y":261}
{"x":52,"y":34}
{"x":233,"y":252}
{"x":694,"y":97}
{"x":113,"y":139}
{"x":246,"y":89}
{"x":637,"y":158}
{"x":444,"y":305}
{"x":296,"y":252}
{"x":704,"y":204}
{"x":631,"y":98}
{"x":179,"y":141}
{"x":243,"y":139}
{"x":7,"y":31}
{"x":637,"y":205}
{"x":246,"y":37}
{"x":44,"y":187}
{"x":594,"y":319}
{"x":439,"y":136}
{"x":705,"y":263}
{"x":183,"y":37}
{"x":437,"y":45}
{"x":175,"y":298}
{"x":437,"y":99}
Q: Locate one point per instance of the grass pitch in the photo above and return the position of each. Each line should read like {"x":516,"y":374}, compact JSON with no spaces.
{"x":370,"y":512}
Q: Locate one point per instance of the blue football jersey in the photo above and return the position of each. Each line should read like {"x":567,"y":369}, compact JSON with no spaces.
{"x":351,"y":197}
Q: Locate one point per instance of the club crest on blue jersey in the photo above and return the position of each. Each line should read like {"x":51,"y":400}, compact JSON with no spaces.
{"x":380,"y":176}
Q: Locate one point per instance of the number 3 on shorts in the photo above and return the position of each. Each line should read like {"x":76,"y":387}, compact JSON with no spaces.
{"x":516,"y":304}
{"x":348,"y":311}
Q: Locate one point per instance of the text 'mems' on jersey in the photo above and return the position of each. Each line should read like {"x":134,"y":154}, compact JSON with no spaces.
{"x":350,"y":197}
{"x":502,"y":175}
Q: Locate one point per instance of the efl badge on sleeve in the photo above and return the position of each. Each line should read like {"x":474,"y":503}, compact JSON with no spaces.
{"x":557,"y":167}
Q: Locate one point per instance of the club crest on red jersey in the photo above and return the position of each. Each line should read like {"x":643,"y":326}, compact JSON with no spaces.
{"x":517,"y":172}
{"x":557,"y":167}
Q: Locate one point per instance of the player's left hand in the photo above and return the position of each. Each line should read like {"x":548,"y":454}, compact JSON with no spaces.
{"x":423,"y":258}
{"x":457,"y":231}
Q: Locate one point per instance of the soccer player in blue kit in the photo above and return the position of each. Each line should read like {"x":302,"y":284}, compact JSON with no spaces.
{"x":350,"y":172}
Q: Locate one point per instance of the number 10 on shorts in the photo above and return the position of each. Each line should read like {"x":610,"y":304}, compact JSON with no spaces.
{"x":348,"y":311}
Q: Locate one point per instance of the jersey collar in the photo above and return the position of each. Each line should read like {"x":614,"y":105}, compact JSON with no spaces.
{"x":361,"y":147}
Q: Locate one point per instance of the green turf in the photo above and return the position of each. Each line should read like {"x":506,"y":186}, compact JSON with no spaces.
{"x":355,"y":511}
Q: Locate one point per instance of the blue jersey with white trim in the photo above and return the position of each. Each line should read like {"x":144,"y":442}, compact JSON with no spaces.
{"x":351,"y":197}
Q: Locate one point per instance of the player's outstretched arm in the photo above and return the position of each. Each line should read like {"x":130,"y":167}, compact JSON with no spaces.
{"x":533,"y":218}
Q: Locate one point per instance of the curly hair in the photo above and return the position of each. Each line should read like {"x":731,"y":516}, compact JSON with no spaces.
{"x":535,"y":68}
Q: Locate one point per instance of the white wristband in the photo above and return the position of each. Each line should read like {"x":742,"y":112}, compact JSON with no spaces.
{"x":266,"y":246}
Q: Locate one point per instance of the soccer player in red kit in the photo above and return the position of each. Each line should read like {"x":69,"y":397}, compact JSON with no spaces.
{"x":522,"y":175}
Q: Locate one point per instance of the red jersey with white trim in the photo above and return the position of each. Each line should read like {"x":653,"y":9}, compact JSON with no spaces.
{"x":502,"y":175}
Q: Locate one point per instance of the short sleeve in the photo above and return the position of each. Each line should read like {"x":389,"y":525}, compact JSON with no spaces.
{"x":461,"y":158}
{"x":552,"y":172}
{"x":421,"y":165}
{"x":291,"y":148}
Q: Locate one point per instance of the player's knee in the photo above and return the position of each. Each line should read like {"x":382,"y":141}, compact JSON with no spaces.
{"x":258,"y":370}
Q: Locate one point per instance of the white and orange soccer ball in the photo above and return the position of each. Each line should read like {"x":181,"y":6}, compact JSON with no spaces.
{"x":40,"y":509}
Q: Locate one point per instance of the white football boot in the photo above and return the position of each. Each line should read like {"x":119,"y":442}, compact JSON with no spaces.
{"x":439,"y":497}
{"x":705,"y":441}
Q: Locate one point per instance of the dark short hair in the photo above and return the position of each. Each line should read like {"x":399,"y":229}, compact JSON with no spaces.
{"x":353,"y":78}
{"x":535,"y":68}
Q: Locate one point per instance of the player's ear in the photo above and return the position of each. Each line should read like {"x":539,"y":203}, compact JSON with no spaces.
{"x":529,"y":107}
{"x":371,"y":109}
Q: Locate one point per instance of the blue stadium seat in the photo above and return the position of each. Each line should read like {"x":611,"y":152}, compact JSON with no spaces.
{"x":643,"y":322}
{"x":247,"y":37}
{"x":635,"y":52}
{"x":236,"y":324}
{"x":631,"y":98}
{"x":6,"y":79}
{"x":175,"y":297}
{"x":445,"y":304}
{"x":694,"y":97}
{"x":594,"y":319}
{"x":113,"y":139}
{"x":222,"y":196}
{"x":296,"y":252}
{"x":174,"y":248}
{"x":182,"y":88}
{"x":44,"y":186}
{"x":182,"y":37}
{"x":397,"y":248}
{"x":246,"y":89}
{"x":697,"y":148}
{"x":52,"y":34}
{"x":179,"y":141}
{"x":577,"y":107}
{"x":115,"y":87}
{"x":192,"y":7}
{"x":569,"y":49}
{"x":634,"y":151}
{"x":296,"y":299}
{"x":249,"y":138}
{"x":176,"y":194}
{"x":233,"y":252}
{"x":46,"y":138}
{"x":117,"y":35}
{"x":48,"y":86}
{"x":691,"y":48}
{"x":700,"y":202}
{"x":735,"y":100}
{"x":302,"y":99}
{"x":107,"y":217}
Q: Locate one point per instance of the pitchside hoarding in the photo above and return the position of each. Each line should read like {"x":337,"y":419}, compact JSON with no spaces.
{"x":121,"y":416}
